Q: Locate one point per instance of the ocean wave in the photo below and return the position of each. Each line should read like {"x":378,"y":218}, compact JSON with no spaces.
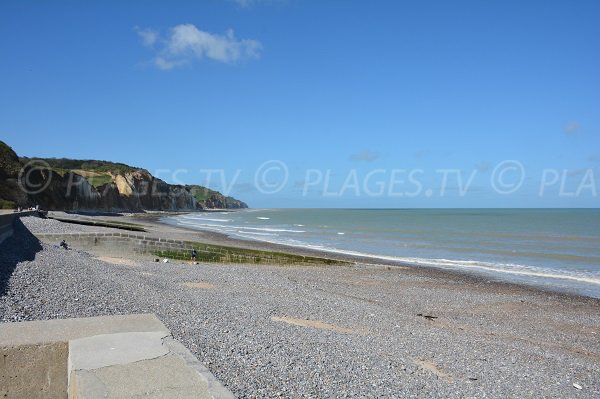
{"x":271,"y":229}
{"x":255,"y":233}
{"x":213,"y":220}
{"x":201,"y":225}
{"x":195,"y":216}
{"x":230,"y":227}
{"x":510,"y":268}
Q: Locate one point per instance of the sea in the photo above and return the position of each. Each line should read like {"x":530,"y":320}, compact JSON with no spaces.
{"x":556,"y":249}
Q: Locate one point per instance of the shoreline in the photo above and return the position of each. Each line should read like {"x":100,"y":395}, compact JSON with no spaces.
{"x":152,"y":221}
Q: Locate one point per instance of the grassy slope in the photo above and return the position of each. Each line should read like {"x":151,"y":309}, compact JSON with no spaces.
{"x":103,"y":167}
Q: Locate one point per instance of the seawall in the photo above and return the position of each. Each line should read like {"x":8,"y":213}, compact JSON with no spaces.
{"x":116,"y":241}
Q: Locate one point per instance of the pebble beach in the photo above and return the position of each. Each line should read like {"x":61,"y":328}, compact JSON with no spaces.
{"x":342,"y":331}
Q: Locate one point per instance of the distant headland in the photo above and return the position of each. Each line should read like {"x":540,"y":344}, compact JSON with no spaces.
{"x":92,"y":185}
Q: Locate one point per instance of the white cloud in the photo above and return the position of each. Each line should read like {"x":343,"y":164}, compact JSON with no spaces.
{"x":187,"y":39}
{"x":162,"y":63}
{"x":148,"y":36}
{"x":185,"y":43}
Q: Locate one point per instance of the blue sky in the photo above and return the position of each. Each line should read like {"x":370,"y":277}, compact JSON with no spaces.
{"x":350,"y":97}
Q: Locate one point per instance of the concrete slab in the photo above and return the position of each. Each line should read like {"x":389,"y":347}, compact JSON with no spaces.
{"x":112,"y":349}
{"x":165,"y":377}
